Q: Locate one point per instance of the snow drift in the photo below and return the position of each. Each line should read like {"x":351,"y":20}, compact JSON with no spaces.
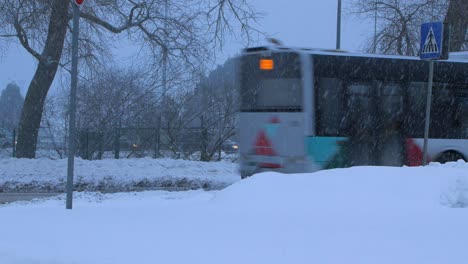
{"x":39,"y":175}
{"x":358,"y":215}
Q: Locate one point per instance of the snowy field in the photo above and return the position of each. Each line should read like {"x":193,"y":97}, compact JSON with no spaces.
{"x":362,"y":215}
{"x":41,"y":175}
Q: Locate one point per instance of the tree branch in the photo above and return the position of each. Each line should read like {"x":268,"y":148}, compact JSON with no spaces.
{"x":140,"y":19}
{"x":23,"y":38}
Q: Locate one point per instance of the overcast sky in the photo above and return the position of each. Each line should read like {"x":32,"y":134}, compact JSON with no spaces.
{"x":303,"y":23}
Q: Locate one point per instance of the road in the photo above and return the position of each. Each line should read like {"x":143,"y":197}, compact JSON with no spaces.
{"x":8,"y":197}
{"x":13,"y":197}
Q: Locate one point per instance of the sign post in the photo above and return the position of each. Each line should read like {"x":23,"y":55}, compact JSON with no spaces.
{"x":72,"y":109}
{"x":428,"y":111}
{"x":431,"y":49}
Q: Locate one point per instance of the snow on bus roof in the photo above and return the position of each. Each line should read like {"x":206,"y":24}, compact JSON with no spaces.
{"x":453,"y":56}
{"x":459,"y":56}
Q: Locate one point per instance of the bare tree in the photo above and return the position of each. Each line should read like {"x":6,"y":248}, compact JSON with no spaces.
{"x":42,"y":27}
{"x":114,"y":99}
{"x":399,"y":22}
{"x":175,"y":126}
{"x":218,"y":96}
{"x":458,"y":20}
{"x":54,"y":123}
{"x":202,"y":119}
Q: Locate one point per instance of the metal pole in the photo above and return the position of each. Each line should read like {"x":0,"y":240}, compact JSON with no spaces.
{"x":338,"y":26}
{"x":165,"y":51}
{"x":428,"y":110}
{"x":375,"y":27}
{"x":74,"y":82}
{"x":14,"y":143}
{"x":164,"y":80}
{"x":117,"y":140}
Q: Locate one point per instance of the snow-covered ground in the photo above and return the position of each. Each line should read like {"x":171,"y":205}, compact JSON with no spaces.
{"x":359,"y":215}
{"x":115,"y":175}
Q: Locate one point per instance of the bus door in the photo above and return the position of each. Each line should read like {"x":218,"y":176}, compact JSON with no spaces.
{"x":374,"y":124}
{"x":361,"y":122}
{"x":271,"y":127}
{"x":390,"y":139}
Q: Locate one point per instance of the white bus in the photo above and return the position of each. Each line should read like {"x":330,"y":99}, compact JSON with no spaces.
{"x":305,"y":110}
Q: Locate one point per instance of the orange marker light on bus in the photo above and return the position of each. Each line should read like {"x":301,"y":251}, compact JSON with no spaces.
{"x":266,"y":64}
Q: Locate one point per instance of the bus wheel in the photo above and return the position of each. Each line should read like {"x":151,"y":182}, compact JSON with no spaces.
{"x":450,"y":156}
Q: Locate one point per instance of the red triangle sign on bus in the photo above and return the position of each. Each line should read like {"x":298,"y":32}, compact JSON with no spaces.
{"x":263,"y":147}
{"x":79,"y":2}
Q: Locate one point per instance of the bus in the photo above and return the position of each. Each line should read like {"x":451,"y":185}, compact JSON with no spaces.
{"x":304,"y":110}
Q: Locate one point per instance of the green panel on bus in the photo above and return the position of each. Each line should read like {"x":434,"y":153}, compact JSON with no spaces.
{"x":322,"y":150}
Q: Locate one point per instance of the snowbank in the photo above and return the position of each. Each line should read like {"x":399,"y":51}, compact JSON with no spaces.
{"x":362,"y":215}
{"x":115,"y":175}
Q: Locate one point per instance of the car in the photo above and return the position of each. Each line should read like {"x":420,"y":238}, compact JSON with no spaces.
{"x":230,"y":146}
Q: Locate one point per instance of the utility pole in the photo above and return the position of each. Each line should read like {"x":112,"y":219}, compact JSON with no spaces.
{"x":338,"y":26}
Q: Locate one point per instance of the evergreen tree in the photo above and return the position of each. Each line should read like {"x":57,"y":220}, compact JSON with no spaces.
{"x":11,"y":103}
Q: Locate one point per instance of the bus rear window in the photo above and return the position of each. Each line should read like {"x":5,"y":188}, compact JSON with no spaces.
{"x":279,"y":94}
{"x":277,"y":87}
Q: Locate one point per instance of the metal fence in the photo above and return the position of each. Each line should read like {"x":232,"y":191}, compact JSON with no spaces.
{"x":48,"y":144}
{"x":183,"y":143}
{"x":186,"y":143}
{"x":7,"y":142}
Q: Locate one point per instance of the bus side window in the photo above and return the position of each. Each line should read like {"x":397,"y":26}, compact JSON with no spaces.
{"x":449,"y":111}
{"x":416,"y":108}
{"x":359,"y":105}
{"x":463,"y":115}
{"x":329,"y":107}
{"x":440,"y":108}
{"x":392,"y":102}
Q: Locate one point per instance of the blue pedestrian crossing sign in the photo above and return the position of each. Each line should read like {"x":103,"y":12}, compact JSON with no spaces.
{"x":431,"y":40}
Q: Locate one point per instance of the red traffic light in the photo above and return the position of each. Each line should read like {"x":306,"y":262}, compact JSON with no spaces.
{"x":79,"y":2}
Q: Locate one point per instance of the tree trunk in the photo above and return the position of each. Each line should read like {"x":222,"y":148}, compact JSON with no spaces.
{"x":458,"y":20}
{"x":47,"y":68}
